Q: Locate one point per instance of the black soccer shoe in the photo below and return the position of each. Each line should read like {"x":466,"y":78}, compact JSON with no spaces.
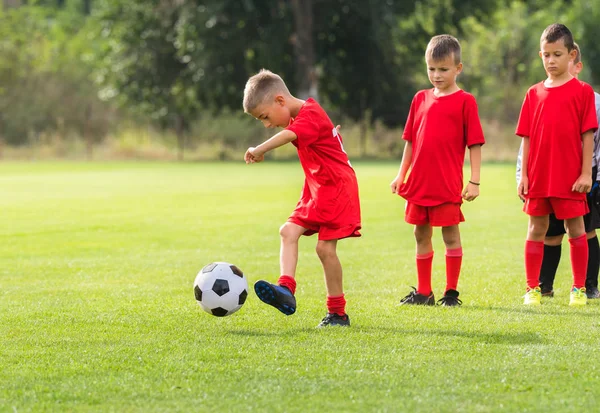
{"x":592,"y":293}
{"x":332,"y":319}
{"x":279,"y":297}
{"x":450,"y":299}
{"x":418,"y":299}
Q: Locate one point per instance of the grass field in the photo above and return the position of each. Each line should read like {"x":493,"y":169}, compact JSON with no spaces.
{"x":97,"y":311}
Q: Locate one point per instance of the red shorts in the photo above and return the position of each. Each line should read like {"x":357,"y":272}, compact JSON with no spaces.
{"x":326,"y":233}
{"x":444,"y":215}
{"x":562,"y":208}
{"x":331,"y":220}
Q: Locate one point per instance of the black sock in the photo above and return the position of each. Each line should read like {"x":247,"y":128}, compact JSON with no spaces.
{"x":591,"y":280}
{"x":549,"y":266}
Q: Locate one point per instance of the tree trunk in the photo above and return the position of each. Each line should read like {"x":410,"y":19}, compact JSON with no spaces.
{"x":179,"y":123}
{"x":11,"y":3}
{"x":1,"y":136}
{"x":307,"y":77}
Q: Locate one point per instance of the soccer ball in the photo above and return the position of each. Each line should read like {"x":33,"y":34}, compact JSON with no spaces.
{"x":220,"y":288}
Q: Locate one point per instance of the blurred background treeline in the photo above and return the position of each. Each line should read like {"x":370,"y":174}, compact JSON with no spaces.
{"x":163,"y":79}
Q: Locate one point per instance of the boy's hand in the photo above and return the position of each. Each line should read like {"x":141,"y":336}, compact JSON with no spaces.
{"x":471,"y":192}
{"x":582,"y":184}
{"x":523,"y":188}
{"x":395,"y":184}
{"x":252,"y":156}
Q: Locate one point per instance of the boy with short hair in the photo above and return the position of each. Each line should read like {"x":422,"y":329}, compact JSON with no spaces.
{"x":329,"y":204}
{"x":557,"y":123}
{"x":442,"y":122}
{"x":556,"y":228}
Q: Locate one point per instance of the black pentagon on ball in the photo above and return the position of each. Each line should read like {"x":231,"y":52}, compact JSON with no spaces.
{"x":237,"y":271}
{"x":209,"y":267}
{"x":219,"y":312}
{"x":220,"y":287}
{"x":198,"y":293}
{"x":243,"y":297}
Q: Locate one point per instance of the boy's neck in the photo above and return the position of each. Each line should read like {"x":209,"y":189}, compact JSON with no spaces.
{"x":295,"y":105}
{"x":556,"y":81}
{"x":447,"y":91}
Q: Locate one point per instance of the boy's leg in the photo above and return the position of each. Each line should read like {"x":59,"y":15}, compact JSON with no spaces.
{"x":552,"y":254}
{"x":451,"y":236}
{"x":534,"y":255}
{"x":423,"y":234}
{"x":591,"y":279}
{"x":336,"y":302}
{"x":579,"y":250}
{"x":281,"y":296}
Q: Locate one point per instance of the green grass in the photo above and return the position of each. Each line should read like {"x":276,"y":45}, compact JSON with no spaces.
{"x":97,"y":311}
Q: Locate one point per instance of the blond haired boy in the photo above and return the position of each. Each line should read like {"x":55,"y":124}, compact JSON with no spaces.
{"x":329,"y":204}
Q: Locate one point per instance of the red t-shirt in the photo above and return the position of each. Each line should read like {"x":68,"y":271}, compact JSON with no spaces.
{"x":330,"y":194}
{"x":440,"y":128}
{"x":554,"y":119}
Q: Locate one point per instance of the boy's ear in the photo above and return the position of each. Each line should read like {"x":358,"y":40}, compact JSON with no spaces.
{"x":540,"y":53}
{"x":280,"y":100}
{"x":459,"y":68}
{"x":572,"y":54}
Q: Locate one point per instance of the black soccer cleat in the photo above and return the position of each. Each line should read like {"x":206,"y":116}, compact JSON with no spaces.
{"x":279,"y":297}
{"x":332,"y":319}
{"x":592,"y":293}
{"x":450,"y":299}
{"x":415,"y":298}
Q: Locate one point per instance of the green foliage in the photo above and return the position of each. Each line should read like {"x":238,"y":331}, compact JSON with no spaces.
{"x":45,"y":85}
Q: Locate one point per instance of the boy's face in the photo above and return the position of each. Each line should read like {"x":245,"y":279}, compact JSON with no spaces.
{"x":273,"y":113}
{"x":556,"y":57}
{"x":442,"y":73}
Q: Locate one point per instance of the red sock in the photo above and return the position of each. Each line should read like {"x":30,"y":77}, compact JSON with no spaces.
{"x":336,"y":304}
{"x":534,"y":255}
{"x":453,"y":263}
{"x":579,"y":260}
{"x":288,"y":282}
{"x":424,"y":262}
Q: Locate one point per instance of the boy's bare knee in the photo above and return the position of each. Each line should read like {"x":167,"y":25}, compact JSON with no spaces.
{"x":288,"y":232}
{"x":422,"y":233}
{"x":325,"y":250}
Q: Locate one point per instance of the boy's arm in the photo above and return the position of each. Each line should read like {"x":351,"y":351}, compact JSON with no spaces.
{"x":584,"y":182}
{"x":471,"y":190}
{"x":257,"y":154}
{"x":404,"y":167}
{"x":523,"y":188}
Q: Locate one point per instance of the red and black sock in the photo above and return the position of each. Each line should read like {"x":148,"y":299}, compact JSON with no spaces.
{"x":579,"y":260}
{"x":534,"y":254}
{"x":336,"y":304}
{"x":550,"y":263}
{"x":453,"y":264}
{"x":287,"y":282}
{"x":591,"y":280}
{"x":424,"y":262}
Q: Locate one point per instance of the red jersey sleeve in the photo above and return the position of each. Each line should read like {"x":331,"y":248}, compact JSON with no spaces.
{"x":473,"y":130}
{"x":589,"y":121}
{"x":407,"y":134}
{"x":306,"y":130}
{"x":523,"y":125}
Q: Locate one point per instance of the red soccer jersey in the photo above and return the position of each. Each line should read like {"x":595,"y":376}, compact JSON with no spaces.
{"x":554,"y":119}
{"x":440,"y":128}
{"x":330,"y":194}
